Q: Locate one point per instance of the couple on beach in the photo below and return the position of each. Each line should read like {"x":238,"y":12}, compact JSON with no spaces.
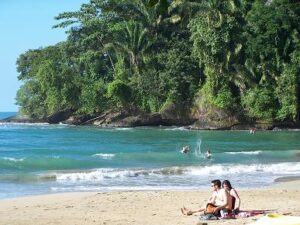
{"x":224,"y":200}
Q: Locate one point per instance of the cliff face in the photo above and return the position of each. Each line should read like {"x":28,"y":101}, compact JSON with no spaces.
{"x":198,"y":116}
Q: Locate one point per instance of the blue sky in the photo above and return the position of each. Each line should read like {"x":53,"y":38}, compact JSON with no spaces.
{"x":26,"y":24}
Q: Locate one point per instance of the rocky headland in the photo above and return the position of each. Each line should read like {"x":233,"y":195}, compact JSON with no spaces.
{"x":206,"y":118}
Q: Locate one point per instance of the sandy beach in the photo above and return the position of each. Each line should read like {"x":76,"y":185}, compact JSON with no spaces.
{"x":140,"y":207}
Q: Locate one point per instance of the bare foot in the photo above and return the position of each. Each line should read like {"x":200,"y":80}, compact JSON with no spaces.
{"x":183,"y":211}
{"x":186,"y":212}
{"x":189,"y":213}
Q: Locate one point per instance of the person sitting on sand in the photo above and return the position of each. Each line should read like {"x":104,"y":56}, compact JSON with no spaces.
{"x":185,"y":149}
{"x":220,"y":198}
{"x":235,"y":198}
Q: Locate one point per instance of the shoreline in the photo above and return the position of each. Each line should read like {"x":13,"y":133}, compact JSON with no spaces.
{"x":245,"y":127}
{"x":152,"y":120}
{"x":277,"y":183}
{"x":140,"y":207}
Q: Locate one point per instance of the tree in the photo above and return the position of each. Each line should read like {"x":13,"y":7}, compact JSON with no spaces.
{"x":216,"y":33}
{"x":48,"y":79}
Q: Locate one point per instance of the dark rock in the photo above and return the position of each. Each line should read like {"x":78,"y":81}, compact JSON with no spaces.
{"x":143,"y":120}
{"x":211,"y":117}
{"x":177,"y":115}
{"x":80,"y":119}
{"x":21,"y":119}
{"x":60,"y":116}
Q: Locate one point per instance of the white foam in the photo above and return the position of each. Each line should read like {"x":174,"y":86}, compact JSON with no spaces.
{"x":123,"y":128}
{"x":55,"y":157}
{"x":124,"y":188}
{"x":104,"y":155}
{"x":221,"y":169}
{"x":178,"y":128}
{"x":13,"y":159}
{"x":239,"y":170}
{"x":244,"y":153}
{"x":99,"y":174}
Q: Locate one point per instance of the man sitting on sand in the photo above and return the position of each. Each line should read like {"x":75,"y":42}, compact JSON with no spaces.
{"x":220,"y":199}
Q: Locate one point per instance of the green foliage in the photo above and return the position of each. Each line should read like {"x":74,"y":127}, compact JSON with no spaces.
{"x":166,"y":105}
{"x":120,"y":92}
{"x":31,"y":100}
{"x":178,"y":74}
{"x":224,"y":98}
{"x":270,"y":29}
{"x":287,"y":90}
{"x":121,"y":72}
{"x":239,"y":56}
{"x":260,"y":103}
{"x":51,"y":79}
{"x":93,"y":96}
{"x":221,"y":98}
{"x":163,"y":4}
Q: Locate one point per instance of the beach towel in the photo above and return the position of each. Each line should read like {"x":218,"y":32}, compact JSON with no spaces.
{"x":276,"y":219}
{"x":208,"y":216}
{"x":248,"y":213}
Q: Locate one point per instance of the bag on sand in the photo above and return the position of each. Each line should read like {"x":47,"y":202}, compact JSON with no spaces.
{"x":210,"y":208}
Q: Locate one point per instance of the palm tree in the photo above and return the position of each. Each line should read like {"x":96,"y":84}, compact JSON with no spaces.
{"x":132,"y":42}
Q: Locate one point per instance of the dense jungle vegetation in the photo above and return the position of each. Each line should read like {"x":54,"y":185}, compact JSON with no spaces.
{"x":241,"y":56}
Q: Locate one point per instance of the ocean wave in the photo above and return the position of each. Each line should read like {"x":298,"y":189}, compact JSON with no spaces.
{"x":99,"y":174}
{"x":178,"y":128}
{"x":12,"y":159}
{"x":54,"y":157}
{"x":104,"y":155}
{"x":123,"y":128}
{"x":163,"y":176}
{"x":124,"y":188}
{"x":277,"y":168}
{"x":245,"y":153}
{"x":201,"y":171}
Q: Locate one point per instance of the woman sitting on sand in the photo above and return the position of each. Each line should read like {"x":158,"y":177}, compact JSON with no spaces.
{"x":235,"y":198}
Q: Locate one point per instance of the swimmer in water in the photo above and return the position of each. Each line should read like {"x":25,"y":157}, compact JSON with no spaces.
{"x":208,"y":154}
{"x":185,"y":149}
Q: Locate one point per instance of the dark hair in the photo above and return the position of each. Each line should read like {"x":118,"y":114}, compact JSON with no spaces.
{"x":227,"y":182}
{"x":216,"y":182}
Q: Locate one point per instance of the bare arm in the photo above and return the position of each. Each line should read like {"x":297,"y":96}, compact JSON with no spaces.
{"x":212,"y":198}
{"x":237,"y":199}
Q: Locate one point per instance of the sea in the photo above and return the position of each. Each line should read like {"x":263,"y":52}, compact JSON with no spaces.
{"x":45,"y":158}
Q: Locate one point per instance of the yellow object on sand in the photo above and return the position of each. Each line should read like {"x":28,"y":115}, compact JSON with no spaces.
{"x":276,"y":219}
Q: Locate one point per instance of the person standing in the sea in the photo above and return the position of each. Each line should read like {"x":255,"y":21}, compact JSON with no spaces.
{"x":252,"y":130}
{"x":208,"y":154}
{"x":185,"y":149}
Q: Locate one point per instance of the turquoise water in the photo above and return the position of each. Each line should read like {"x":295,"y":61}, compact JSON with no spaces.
{"x":43,"y":158}
{"x":4,"y":115}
